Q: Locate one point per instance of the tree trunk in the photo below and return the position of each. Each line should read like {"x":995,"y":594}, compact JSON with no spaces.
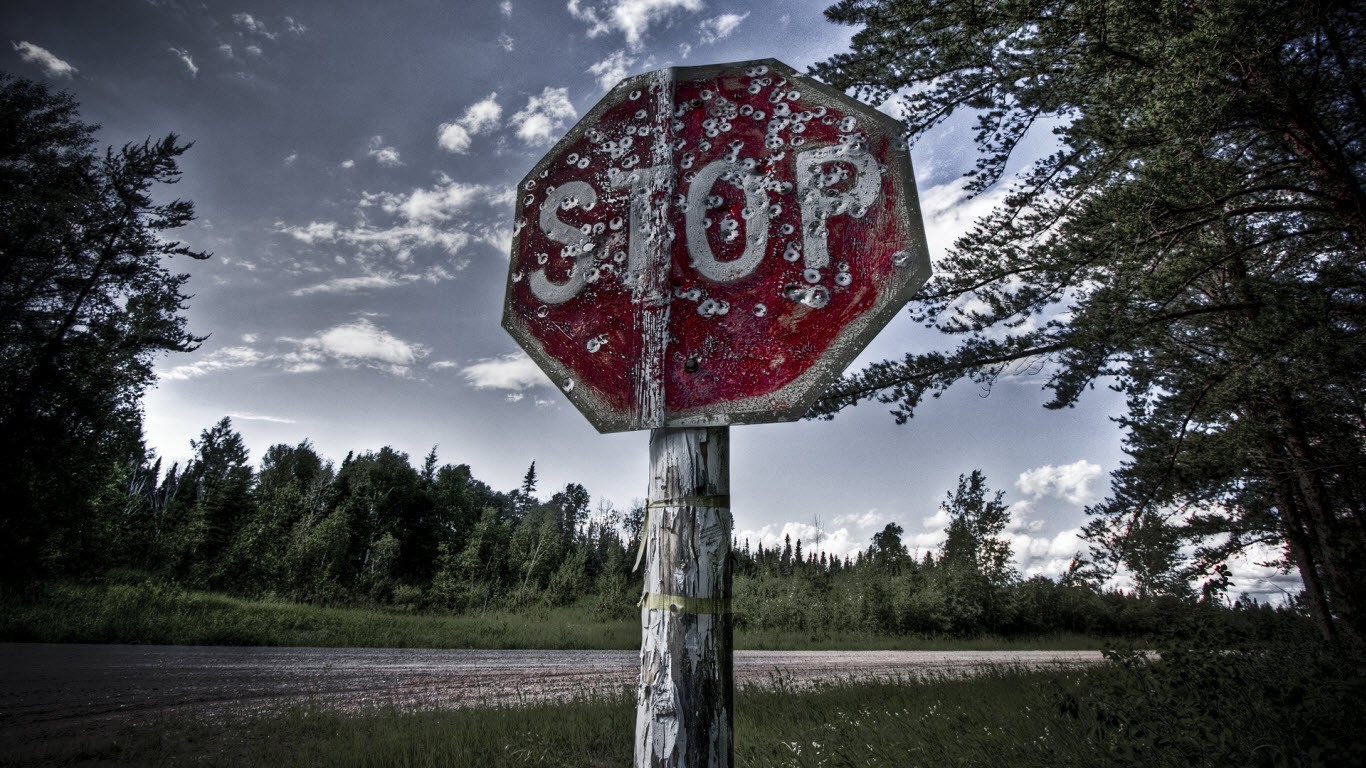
{"x":686,"y":687}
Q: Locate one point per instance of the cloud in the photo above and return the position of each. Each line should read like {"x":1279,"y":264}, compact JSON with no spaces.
{"x":1043,"y":555}
{"x":719,"y":27}
{"x":357,"y":343}
{"x":50,"y":64}
{"x":385,"y":156}
{"x":505,"y":41}
{"x":399,"y":238}
{"x":949,"y":214}
{"x":505,"y":8}
{"x":1071,"y":482}
{"x":241,"y":416}
{"x":344,"y":285}
{"x":480,"y":117}
{"x":612,"y":69}
{"x":348,"y":163}
{"x":443,"y":365}
{"x":398,"y":241}
{"x":866,"y":520}
{"x":544,"y":117}
{"x":939,"y":520}
{"x":251,"y":25}
{"x":683,"y":50}
{"x":225,"y":359}
{"x":513,"y":371}
{"x":185,"y":58}
{"x":632,"y":18}
{"x":440,"y":202}
{"x":839,"y":542}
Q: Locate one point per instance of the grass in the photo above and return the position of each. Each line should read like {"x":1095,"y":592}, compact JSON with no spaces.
{"x":151,"y":613}
{"x":154,"y":613}
{"x":1005,"y":717}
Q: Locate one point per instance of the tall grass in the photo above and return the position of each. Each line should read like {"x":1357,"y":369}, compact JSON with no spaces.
{"x":149,"y":612}
{"x":153,"y":613}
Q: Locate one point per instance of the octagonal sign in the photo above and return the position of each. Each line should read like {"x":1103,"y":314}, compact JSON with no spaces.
{"x":713,"y":245}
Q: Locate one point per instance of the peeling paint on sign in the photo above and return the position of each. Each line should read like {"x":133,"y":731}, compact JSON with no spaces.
{"x":713,"y":245}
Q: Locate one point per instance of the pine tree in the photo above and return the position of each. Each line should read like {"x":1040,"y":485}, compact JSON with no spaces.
{"x":87,"y":303}
{"x":1198,"y":240}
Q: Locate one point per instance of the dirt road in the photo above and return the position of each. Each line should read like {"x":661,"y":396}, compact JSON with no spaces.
{"x":56,"y":691}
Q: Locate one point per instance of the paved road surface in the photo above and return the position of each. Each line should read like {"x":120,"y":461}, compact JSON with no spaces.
{"x":57,"y":691}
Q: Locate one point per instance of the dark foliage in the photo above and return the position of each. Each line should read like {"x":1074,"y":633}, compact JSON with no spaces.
{"x":86,"y":304}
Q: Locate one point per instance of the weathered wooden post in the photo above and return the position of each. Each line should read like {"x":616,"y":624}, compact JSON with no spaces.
{"x":708,"y":246}
{"x":686,"y":687}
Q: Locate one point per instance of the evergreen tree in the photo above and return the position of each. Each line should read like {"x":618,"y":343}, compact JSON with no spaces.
{"x":974,"y":537}
{"x":86,"y":305}
{"x":212,"y":500}
{"x":1197,"y":238}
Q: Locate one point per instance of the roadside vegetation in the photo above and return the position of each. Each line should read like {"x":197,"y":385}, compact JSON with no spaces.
{"x":152,"y":613}
{"x":1210,"y":702}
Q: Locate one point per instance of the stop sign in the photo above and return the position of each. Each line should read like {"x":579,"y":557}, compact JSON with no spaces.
{"x":712,"y":245}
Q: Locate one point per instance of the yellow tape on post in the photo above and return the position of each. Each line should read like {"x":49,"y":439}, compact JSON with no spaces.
{"x":721,"y":501}
{"x":702,"y":606}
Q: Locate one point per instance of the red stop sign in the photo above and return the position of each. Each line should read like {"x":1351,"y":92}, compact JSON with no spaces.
{"x":713,"y":245}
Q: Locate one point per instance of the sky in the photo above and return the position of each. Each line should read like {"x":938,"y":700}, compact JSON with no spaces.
{"x":353,"y":171}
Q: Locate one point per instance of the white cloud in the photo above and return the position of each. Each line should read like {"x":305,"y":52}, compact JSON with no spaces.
{"x":505,"y":8}
{"x":840,"y":542}
{"x":226,"y":50}
{"x":386,"y":156}
{"x":51,"y":65}
{"x":294,"y":28}
{"x":291,"y":158}
{"x":254,"y":26}
{"x":185,"y":58}
{"x":480,"y":117}
{"x":248,"y":416}
{"x":483,"y":115}
{"x":316,"y":231}
{"x":440,"y":202}
{"x":348,"y":163}
{"x":683,"y":50}
{"x":948,"y":215}
{"x":632,"y":18}
{"x":357,"y":343}
{"x":544,"y":117}
{"x":866,"y":520}
{"x":719,"y":27}
{"x":612,"y":69}
{"x":1070,"y":482}
{"x":351,"y":285}
{"x":505,"y":41}
{"x":443,"y":365}
{"x":363,"y":340}
{"x":403,"y":237}
{"x":225,"y":359}
{"x":513,"y":371}
{"x":1041,"y":555}
{"x":939,"y":520}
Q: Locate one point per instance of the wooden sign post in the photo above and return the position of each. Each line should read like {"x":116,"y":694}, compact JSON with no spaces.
{"x":685,"y":692}
{"x":708,"y":246}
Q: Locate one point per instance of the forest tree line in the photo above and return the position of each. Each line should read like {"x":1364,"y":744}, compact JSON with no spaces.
{"x":378,"y":531}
